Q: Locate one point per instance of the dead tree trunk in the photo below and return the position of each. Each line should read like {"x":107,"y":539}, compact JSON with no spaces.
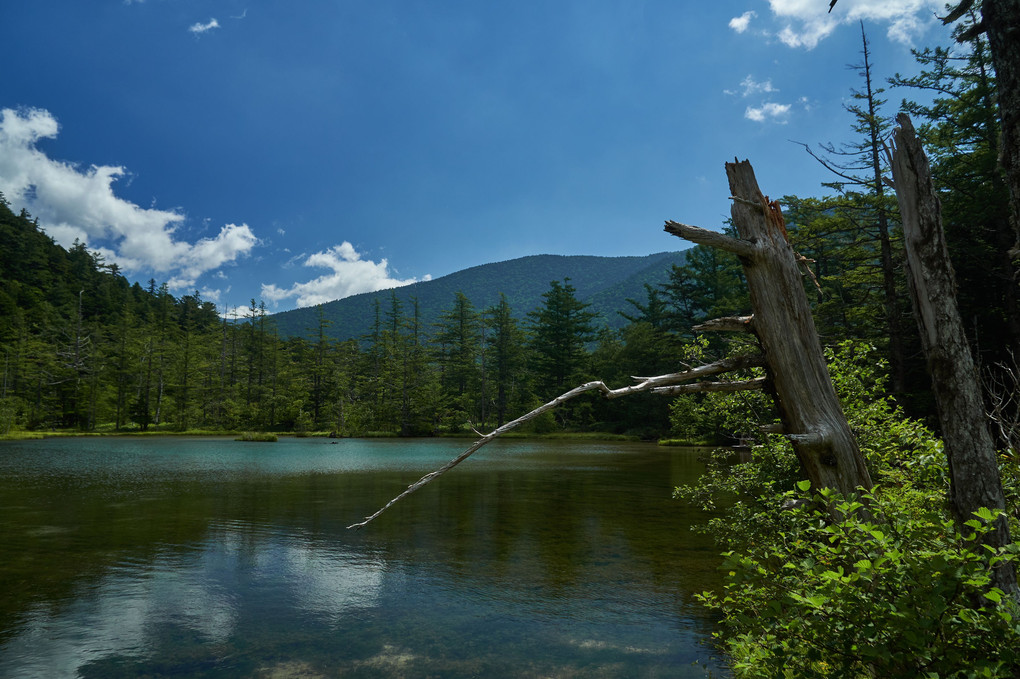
{"x":973,"y":467}
{"x":797,"y":373}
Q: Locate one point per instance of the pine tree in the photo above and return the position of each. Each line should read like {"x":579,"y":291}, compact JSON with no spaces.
{"x":868,"y":212}
{"x":505,"y":362}
{"x":560,"y":330}
{"x":457,"y":342}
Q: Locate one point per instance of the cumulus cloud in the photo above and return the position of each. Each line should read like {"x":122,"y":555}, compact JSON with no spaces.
{"x":808,"y":22}
{"x":740,"y":23}
{"x":350,"y":275}
{"x":751,"y":86}
{"x":73,"y":203}
{"x":200,"y":28}
{"x":768,"y":111}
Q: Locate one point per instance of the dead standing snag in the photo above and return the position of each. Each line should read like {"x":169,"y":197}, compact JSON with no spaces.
{"x":974,"y":480}
{"x":798,"y":377}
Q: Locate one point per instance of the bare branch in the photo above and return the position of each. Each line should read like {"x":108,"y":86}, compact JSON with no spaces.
{"x":647,"y":384}
{"x":811,"y":438}
{"x":958,"y":11}
{"x":721,"y":386}
{"x":837,"y":170}
{"x":1002,"y":387}
{"x":726,"y":324}
{"x":696,"y":234}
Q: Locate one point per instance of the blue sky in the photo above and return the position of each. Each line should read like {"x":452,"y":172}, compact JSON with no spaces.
{"x":299,"y":152}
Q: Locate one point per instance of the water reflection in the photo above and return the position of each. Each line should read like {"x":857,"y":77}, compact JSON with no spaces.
{"x":212,"y":558}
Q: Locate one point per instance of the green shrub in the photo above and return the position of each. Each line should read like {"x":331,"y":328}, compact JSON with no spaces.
{"x":903,"y":594}
{"x":907,"y":596}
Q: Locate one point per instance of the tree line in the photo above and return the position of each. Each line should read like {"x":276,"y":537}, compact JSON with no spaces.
{"x":85,"y":350}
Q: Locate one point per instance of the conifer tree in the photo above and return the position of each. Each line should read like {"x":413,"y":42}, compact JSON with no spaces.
{"x":505,"y":362}
{"x":560,"y":330}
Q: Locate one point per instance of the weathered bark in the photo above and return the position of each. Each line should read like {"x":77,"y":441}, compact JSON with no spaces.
{"x":973,"y":468}
{"x":797,"y":373}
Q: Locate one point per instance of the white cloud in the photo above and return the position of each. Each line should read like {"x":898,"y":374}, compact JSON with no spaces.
{"x":750,"y":86}
{"x":350,"y":275}
{"x":768,"y":111}
{"x":740,"y":23}
{"x":199,"y":28}
{"x":808,"y":22}
{"x":71,"y":203}
{"x":211,"y":295}
{"x":209,"y":254}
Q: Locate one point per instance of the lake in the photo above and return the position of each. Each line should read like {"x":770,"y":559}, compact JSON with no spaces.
{"x":172,"y":556}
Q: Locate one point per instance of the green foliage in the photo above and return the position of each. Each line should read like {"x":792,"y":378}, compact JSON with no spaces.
{"x":719,"y":417}
{"x":896,"y":591}
{"x":258,"y":437}
{"x":907,"y":596}
{"x":560,"y":330}
{"x":639,"y":349}
{"x":84,"y":351}
{"x":505,"y":372}
{"x":958,"y":123}
{"x":709,"y":284}
{"x":9,"y":408}
{"x":457,"y":354}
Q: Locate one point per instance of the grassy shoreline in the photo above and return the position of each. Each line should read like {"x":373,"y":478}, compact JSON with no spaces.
{"x":566,"y":436}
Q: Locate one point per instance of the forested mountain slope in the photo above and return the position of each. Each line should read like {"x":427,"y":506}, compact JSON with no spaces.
{"x":604,"y":282}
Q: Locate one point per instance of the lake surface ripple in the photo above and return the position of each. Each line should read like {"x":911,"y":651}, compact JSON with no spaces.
{"x":160,"y":557}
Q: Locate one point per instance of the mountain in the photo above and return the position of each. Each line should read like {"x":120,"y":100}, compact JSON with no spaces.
{"x":604,"y":282}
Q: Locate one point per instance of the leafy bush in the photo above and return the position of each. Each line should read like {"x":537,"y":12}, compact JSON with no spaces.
{"x":719,"y":417}
{"x":904,"y":594}
{"x":907,"y":596}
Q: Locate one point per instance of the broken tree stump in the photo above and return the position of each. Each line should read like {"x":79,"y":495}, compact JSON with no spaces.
{"x":797,"y":375}
{"x":974,"y":479}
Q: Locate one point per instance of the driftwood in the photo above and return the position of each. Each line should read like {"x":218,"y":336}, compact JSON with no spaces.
{"x":661,"y":384}
{"x":798,"y":377}
{"x":973,"y":468}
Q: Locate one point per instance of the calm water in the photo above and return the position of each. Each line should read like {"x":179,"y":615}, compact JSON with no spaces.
{"x":213,"y":558}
